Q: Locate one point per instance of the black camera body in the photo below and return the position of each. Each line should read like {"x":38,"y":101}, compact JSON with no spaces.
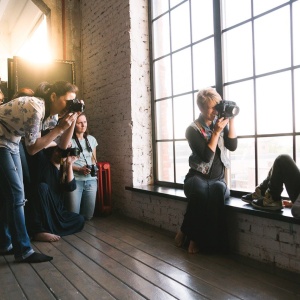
{"x":94,"y":169}
{"x":227,"y":109}
{"x":75,"y":106}
{"x":70,"y":152}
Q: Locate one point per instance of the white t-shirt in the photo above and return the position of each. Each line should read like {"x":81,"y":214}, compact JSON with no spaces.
{"x":88,"y":155}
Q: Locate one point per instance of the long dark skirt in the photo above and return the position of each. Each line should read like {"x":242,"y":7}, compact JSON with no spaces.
{"x":51,"y":216}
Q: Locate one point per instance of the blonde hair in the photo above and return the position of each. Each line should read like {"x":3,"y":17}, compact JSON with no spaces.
{"x":207,"y":95}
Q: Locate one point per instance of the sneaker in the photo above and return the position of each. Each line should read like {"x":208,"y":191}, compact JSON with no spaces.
{"x":249,"y":197}
{"x":267,"y":203}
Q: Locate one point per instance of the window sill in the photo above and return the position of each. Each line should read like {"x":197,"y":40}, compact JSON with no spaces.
{"x":233,"y":203}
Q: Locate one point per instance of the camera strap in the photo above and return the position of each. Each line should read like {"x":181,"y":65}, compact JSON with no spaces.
{"x":80,"y":148}
{"x":88,"y":145}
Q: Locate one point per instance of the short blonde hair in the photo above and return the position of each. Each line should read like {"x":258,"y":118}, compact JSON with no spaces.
{"x":207,"y":95}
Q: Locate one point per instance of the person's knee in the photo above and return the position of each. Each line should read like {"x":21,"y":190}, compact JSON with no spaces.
{"x":296,"y":208}
{"x":283,"y":159}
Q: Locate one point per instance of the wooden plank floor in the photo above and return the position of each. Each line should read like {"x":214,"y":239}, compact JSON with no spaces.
{"x":117,"y":258}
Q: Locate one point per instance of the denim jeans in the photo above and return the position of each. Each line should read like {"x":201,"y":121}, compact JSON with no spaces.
{"x":13,"y":233}
{"x":83,"y":199}
{"x":204,"y":221}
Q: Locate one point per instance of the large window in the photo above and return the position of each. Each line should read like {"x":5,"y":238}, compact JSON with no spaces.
{"x":249,"y":50}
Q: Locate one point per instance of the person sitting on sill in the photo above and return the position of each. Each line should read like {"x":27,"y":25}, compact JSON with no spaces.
{"x":267,"y":195}
{"x":209,"y":137}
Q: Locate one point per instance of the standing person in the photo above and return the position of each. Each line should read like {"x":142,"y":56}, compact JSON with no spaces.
{"x":23,"y":117}
{"x":50,"y":220}
{"x":83,"y":199}
{"x":267,"y":195}
{"x":204,"y":185}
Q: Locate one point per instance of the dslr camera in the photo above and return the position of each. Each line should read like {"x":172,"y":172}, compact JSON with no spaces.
{"x":70,"y":152}
{"x":227,"y":109}
{"x":75,"y":106}
{"x":94,"y":169}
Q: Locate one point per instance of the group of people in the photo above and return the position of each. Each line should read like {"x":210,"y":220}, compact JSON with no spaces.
{"x":62,"y":188}
{"x":36,"y":131}
{"x":210,"y":137}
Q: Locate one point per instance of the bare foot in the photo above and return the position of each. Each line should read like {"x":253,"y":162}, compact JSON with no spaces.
{"x":193,"y":248}
{"x":179,"y":238}
{"x":46,"y":237}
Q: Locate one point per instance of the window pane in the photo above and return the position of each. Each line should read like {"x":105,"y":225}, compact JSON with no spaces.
{"x":242,"y":171}
{"x":182,"y":71}
{"x":161,"y":37}
{"x":204,"y":64}
{"x":268,"y":149}
{"x":182,"y":151}
{"x":274,"y":104}
{"x":238,"y":62}
{"x":173,"y":2}
{"x":183,"y":115}
{"x":272,"y":41}
{"x":202,"y":26}
{"x":235,"y":11}
{"x":165,"y":165}
{"x":298,"y":151}
{"x":164,"y":129}
{"x":243,"y":94}
{"x":297,"y":98}
{"x":296,"y":32}
{"x":162,"y":77}
{"x":159,"y":7}
{"x":260,"y":6}
{"x":180,"y":26}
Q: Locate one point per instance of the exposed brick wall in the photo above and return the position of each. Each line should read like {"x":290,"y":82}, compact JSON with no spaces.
{"x":266,"y":240}
{"x":115,"y":72}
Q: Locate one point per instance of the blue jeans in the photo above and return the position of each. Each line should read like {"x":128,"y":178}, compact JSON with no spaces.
{"x":83,"y":199}
{"x":13,"y":233}
{"x":204,"y":221}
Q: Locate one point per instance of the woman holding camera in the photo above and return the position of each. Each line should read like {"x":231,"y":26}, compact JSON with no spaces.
{"x":27,"y":117}
{"x":209,"y":137}
{"x":83,"y":199}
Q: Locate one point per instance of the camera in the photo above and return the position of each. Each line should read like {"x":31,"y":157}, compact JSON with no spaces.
{"x":70,"y":152}
{"x":75,"y":106}
{"x":227,"y":109}
{"x":94,"y":169}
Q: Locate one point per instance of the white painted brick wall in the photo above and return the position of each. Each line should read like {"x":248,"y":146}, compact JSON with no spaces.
{"x":266,"y":240}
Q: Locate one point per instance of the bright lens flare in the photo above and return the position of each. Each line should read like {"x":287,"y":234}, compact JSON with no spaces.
{"x":36,"y":47}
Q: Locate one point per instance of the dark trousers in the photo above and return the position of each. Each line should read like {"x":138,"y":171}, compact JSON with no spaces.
{"x":204,"y":221}
{"x":283,"y":172}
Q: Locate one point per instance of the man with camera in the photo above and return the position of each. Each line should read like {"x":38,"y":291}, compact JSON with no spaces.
{"x":83,"y":199}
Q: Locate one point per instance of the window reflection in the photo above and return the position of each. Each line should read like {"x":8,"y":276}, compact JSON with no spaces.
{"x":274,"y":104}
{"x":272,"y":41}
{"x":238,"y":57}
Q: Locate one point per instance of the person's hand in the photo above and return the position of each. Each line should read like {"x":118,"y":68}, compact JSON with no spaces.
{"x":220,"y":124}
{"x":287,"y":203}
{"x":67,"y":120}
{"x":71,"y":159}
{"x":85,"y":170}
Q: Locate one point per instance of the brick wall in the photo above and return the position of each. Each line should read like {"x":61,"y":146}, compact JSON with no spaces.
{"x":116,"y":81}
{"x":269,"y":241}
